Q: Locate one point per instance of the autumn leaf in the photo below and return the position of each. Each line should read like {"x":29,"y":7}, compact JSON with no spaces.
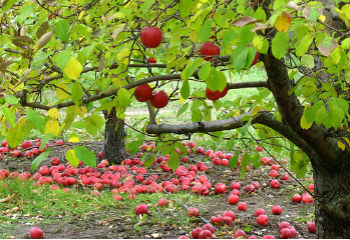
{"x":326,"y":46}
{"x":73,"y":68}
{"x":282,"y":23}
{"x":243,"y":21}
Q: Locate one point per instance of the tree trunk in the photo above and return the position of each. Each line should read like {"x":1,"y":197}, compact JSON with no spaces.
{"x":114,"y":144}
{"x":332,"y":188}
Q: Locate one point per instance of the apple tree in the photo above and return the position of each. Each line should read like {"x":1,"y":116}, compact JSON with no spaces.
{"x":78,"y":58}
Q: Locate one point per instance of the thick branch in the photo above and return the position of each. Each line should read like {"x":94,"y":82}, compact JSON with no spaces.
{"x":263,"y":118}
{"x":291,"y":109}
{"x":247,"y":85}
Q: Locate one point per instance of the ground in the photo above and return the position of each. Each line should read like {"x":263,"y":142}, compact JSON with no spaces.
{"x":79,"y":214}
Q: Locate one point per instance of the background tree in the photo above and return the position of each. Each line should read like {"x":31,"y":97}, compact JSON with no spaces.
{"x":90,"y":55}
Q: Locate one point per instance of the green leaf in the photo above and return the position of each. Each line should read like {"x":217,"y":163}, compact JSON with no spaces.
{"x":36,"y":162}
{"x":14,"y":135}
{"x":234,"y":160}
{"x":183,"y":109}
{"x":86,"y":156}
{"x":216,"y":80}
{"x":185,"y":89}
{"x":124,"y":97}
{"x":173,"y":161}
{"x":72,"y":158}
{"x":25,"y":12}
{"x":204,"y":71}
{"x":303,"y":45}
{"x":335,"y":116}
{"x":133,"y":146}
{"x":185,"y":6}
{"x":149,"y":161}
{"x":280,"y":44}
{"x":45,"y":140}
{"x":77,"y":93}
{"x":196,"y":114}
{"x":62,"y":29}
{"x":228,"y":37}
{"x":9,"y":115}
{"x":205,"y":31}
{"x":93,"y":124}
{"x":244,"y":163}
{"x":190,"y":68}
{"x":10,"y":99}
{"x":307,"y":60}
{"x":246,"y":35}
{"x":239,"y":57}
{"x":317,"y":113}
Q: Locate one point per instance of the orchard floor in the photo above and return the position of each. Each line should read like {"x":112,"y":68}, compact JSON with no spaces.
{"x":120,"y":221}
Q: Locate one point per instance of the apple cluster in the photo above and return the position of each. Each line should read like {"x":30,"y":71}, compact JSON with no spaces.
{"x":144,"y":92}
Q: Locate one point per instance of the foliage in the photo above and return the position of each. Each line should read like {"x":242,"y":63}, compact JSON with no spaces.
{"x":87,"y":55}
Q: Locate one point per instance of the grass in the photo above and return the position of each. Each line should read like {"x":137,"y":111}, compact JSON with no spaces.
{"x":45,"y":206}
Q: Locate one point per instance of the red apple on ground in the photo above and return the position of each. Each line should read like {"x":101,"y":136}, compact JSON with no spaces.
{"x":159,"y":99}
{"x":235,"y":185}
{"x":268,"y":237}
{"x":276,"y":210}
{"x":220,"y":188}
{"x":141,"y":209}
{"x":55,"y":161}
{"x":275,"y":184}
{"x":259,"y":212}
{"x":26,"y":144}
{"x":250,"y":188}
{"x":296,"y":198}
{"x":230,"y":214}
{"x":285,"y":233}
{"x":143,"y":93}
{"x":240,"y":233}
{"x":59,"y":142}
{"x":262,"y":220}
{"x":163,"y":202}
{"x":151,"y":37}
{"x":209,"y":227}
{"x":283,"y":225}
{"x":233,"y":199}
{"x":242,"y":206}
{"x":311,"y":227}
{"x":193,"y":212}
{"x":36,"y":233}
{"x":195,"y":232}
{"x":205,"y":234}
{"x":218,"y":219}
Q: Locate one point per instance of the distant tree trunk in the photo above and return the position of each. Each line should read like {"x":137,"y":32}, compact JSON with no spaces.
{"x":114,"y":143}
{"x":332,"y":187}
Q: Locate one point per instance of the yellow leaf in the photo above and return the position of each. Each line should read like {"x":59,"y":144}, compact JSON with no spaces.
{"x":81,"y":15}
{"x":341,"y":145}
{"x":74,"y":139}
{"x":60,"y":93}
{"x":282,"y":23}
{"x":53,"y":113}
{"x":82,"y":111}
{"x":322,"y":18}
{"x":73,"y":68}
{"x":304,"y":124}
{"x":255,"y":111}
{"x":52,"y":126}
{"x":181,"y":100}
{"x":347,"y":140}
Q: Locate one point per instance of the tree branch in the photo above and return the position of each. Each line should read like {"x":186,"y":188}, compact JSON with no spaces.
{"x":264,"y":118}
{"x":291,"y":109}
{"x":248,"y":85}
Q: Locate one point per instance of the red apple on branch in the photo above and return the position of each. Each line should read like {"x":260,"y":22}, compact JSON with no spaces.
{"x":159,"y":99}
{"x":151,"y":37}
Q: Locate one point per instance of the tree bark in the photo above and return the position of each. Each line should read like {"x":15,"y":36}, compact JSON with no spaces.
{"x":332,"y":188}
{"x":114,"y":143}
